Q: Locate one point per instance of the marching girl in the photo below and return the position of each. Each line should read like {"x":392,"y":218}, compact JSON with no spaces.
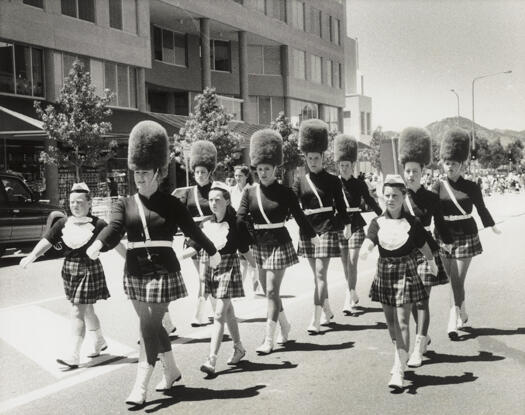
{"x":152,"y":272}
{"x":203,"y":160}
{"x":354,"y":191}
{"x":318,"y":192}
{"x":224,"y":282}
{"x":268,"y":204}
{"x":84,"y":279}
{"x":414,"y":155}
{"x":397,"y":285}
{"x":457,"y":196}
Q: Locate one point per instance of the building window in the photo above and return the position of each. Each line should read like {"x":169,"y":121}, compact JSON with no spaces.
{"x":122,"y":81}
{"x":220,"y":55}
{"x":363,"y":123}
{"x":231,"y":105}
{"x":265,"y":109}
{"x":315,"y":21}
{"x":81,"y":9}
{"x":238,"y":1}
{"x":330,"y":72}
{"x":302,"y":110}
{"x":298,"y":14}
{"x":332,"y":118}
{"x":68,"y":60}
{"x":169,"y":47}
{"x":299,"y":64}
{"x":368,"y":124}
{"x":336,"y":31}
{"x":36,"y":3}
{"x":115,"y":14}
{"x":279,"y":10}
{"x":264,"y":60}
{"x":21,"y":70}
{"x":316,"y":69}
{"x":337,"y":75}
{"x":260,"y":5}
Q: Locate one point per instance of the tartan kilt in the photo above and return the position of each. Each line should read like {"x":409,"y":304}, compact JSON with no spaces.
{"x":328,"y":248}
{"x":355,"y":241}
{"x":225,"y":281}
{"x":397,"y":282}
{"x":427,"y":278}
{"x":275,"y":257}
{"x":463,"y":246}
{"x":155,"y":287}
{"x":84,"y":280}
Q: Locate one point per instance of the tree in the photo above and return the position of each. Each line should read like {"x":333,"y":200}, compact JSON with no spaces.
{"x":498,"y":156}
{"x":75,"y":124}
{"x":329,"y":161}
{"x":210,"y":122}
{"x":515,"y":151}
{"x":482,"y":152}
{"x":291,"y":154}
{"x":372,"y":154}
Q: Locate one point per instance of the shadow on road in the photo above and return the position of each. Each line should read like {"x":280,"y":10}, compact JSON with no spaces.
{"x":247,"y":366}
{"x":488,"y":331}
{"x":293,"y":346}
{"x":190,"y":340}
{"x":352,"y":327}
{"x":252,"y":320}
{"x":365,"y":310}
{"x":420,"y":381}
{"x":185,"y":394}
{"x":483,"y":356}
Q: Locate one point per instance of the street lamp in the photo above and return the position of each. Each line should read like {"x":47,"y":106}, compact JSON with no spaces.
{"x":473,"y":83}
{"x":457,"y":96}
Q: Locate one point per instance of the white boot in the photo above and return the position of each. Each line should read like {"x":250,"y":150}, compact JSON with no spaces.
{"x":168,"y":324}
{"x":398,"y":375}
{"x":354,"y":300}
{"x":416,"y":358}
{"x":98,"y":341}
{"x":199,"y":319}
{"x":238,"y":353}
{"x":327,"y":316}
{"x":208,"y":366}
{"x":452,"y":327}
{"x":397,"y":363}
{"x":72,"y":359}
{"x":282,"y":337}
{"x":315,"y":325}
{"x":171,"y":372}
{"x":138,"y":393}
{"x":462,"y":316}
{"x":347,"y":309}
{"x":268,"y":343}
{"x":213,"y":303}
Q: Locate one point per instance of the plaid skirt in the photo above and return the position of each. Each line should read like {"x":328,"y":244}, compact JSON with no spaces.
{"x":463,"y":246}
{"x":328,"y":248}
{"x":275,"y":257}
{"x":157,"y":287}
{"x":396,"y":282}
{"x":423,"y":269}
{"x":84,"y":280}
{"x":355,"y":241}
{"x":225,"y":281}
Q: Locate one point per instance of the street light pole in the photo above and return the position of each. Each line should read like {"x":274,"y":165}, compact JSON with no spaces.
{"x":457,"y":96}
{"x":473,"y":84}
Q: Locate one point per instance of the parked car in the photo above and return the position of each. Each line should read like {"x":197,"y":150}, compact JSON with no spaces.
{"x":23,"y":218}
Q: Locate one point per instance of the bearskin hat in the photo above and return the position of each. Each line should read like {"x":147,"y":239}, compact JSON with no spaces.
{"x":313,"y":136}
{"x":345,"y":148}
{"x":203,"y":153}
{"x":148,"y":147}
{"x":455,"y":145}
{"x":266,"y":147}
{"x":414,"y":145}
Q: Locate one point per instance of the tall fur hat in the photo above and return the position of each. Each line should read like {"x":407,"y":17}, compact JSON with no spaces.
{"x":414,"y":145}
{"x":266,"y":147}
{"x":345,"y":148}
{"x":455,"y":145}
{"x":203,"y":153}
{"x":148,"y":146}
{"x":313,"y":136}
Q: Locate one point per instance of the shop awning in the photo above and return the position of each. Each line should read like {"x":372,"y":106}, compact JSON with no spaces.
{"x":15,"y":123}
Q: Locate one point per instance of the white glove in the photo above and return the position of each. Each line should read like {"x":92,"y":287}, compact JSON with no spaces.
{"x":433,"y":266}
{"x":26,"y":261}
{"x":347,"y":233}
{"x":447,"y":248}
{"x":496,"y":230}
{"x":215,"y":259}
{"x":316,"y":240}
{"x":94,"y":249}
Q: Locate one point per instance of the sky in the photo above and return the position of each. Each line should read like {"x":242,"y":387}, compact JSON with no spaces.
{"x":413,"y":52}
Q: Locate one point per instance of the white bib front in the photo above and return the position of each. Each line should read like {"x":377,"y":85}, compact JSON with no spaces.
{"x":393,"y":233}
{"x":217,"y":233}
{"x":77,"y":231}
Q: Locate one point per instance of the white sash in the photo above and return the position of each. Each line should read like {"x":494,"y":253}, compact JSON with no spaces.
{"x":452,"y":197}
{"x":344,"y":195}
{"x":409,"y":205}
{"x":196,"y":197}
{"x":259,"y":202}
{"x":314,"y":190}
{"x":142,"y":217}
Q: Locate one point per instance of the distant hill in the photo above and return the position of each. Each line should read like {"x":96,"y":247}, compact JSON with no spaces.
{"x":438,"y":128}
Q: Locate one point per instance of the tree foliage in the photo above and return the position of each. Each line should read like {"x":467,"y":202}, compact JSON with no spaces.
{"x":291,"y":154}
{"x":515,"y":151}
{"x":211,"y":122}
{"x":372,"y":154}
{"x":329,"y":161}
{"x":75,"y":124}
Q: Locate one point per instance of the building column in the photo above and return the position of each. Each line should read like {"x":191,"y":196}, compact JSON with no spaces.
{"x":285,"y":73}
{"x":243,"y":73}
{"x":205,"y":53}
{"x":141,"y":90}
{"x":340,"y":120}
{"x":322,"y":112}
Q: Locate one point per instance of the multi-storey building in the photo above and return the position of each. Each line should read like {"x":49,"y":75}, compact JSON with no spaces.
{"x":262,"y":56}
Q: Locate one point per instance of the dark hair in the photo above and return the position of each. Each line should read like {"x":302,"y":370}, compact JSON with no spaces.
{"x":402,"y":188}
{"x":224,"y":192}
{"x":246,"y":171}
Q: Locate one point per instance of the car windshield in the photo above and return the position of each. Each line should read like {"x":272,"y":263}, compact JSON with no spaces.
{"x":15,"y":190}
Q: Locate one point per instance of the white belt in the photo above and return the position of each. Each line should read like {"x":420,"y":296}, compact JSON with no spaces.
{"x":150,"y":244}
{"x":353,"y":209}
{"x":201,"y":218}
{"x":268,"y":225}
{"x":453,"y":218}
{"x":428,"y":228}
{"x":308,"y":212}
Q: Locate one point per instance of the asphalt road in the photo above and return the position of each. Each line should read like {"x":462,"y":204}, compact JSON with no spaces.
{"x":344,"y":370}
